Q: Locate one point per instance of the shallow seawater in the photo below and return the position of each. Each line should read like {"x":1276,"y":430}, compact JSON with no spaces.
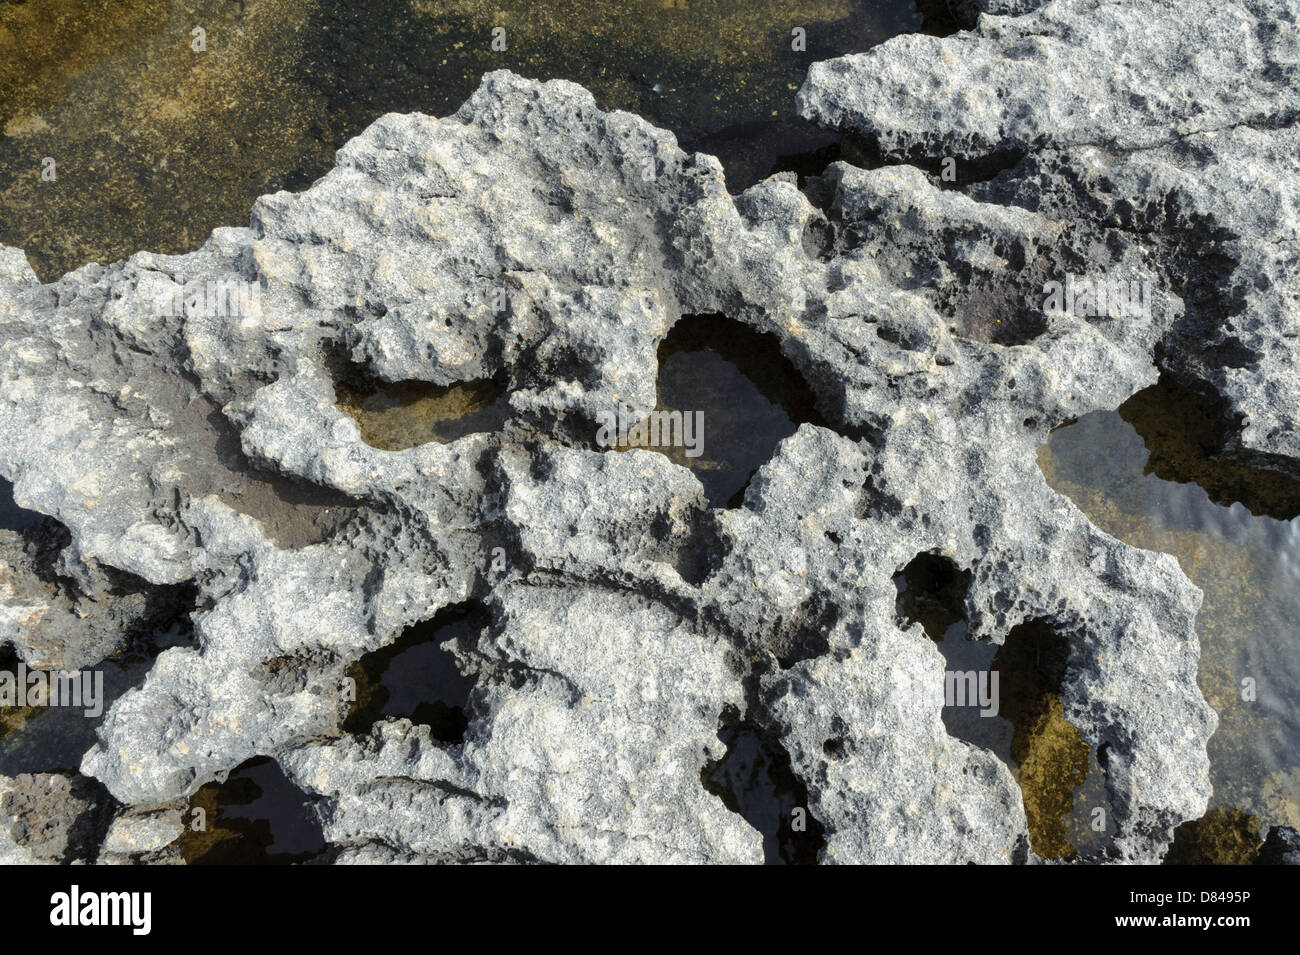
{"x":393,"y":417}
{"x":255,"y":816}
{"x":155,"y":143}
{"x":42,"y":739}
{"x":753,"y":779}
{"x":1020,"y":719}
{"x":1247,"y":564}
{"x":415,"y":678}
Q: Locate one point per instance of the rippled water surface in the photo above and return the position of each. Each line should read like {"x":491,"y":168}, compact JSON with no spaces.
{"x":1247,"y":564}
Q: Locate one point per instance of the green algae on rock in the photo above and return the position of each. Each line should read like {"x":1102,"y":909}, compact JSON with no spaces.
{"x":407,"y":414}
{"x":157,"y":143}
{"x":1247,"y":566}
{"x":1223,"y":836}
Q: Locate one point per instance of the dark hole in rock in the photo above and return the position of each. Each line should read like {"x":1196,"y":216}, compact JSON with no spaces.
{"x":804,"y":637}
{"x":1223,"y":836}
{"x":969,"y":171}
{"x":1103,"y":756}
{"x":968,"y":692}
{"x":13,"y":517}
{"x":1062,"y":783}
{"x":1017,"y":714}
{"x":932,"y":592}
{"x":818,"y":237}
{"x":697,"y":555}
{"x":998,"y":314}
{"x":255,"y":817}
{"x":394,"y":416}
{"x":937,"y":18}
{"x":754,"y":779}
{"x":742,"y":395}
{"x":1007,"y":699}
{"x":45,"y":738}
{"x":1003,"y":306}
{"x":811,"y":163}
{"x":416,"y":678}
{"x":1184,"y":431}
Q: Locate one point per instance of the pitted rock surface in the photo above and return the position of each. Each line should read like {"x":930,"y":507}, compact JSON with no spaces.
{"x":533,"y":238}
{"x":1177,"y":123}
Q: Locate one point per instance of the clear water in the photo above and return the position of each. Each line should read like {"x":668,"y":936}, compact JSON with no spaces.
{"x":156,"y":144}
{"x":1247,"y":564}
{"x":748,"y":395}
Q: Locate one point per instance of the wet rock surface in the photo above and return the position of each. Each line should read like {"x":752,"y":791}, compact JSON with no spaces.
{"x":627,"y":627}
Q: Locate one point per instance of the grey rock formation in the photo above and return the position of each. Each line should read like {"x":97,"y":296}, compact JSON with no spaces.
{"x":58,"y":612}
{"x":143,"y":836}
{"x":534,"y":238}
{"x":50,"y":818}
{"x":1172,"y":122}
{"x":1282,"y":847}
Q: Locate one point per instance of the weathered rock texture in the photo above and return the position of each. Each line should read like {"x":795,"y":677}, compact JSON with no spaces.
{"x":631,"y":625}
{"x":1176,"y":123}
{"x":51,"y":818}
{"x":1282,"y":847}
{"x":60,"y":612}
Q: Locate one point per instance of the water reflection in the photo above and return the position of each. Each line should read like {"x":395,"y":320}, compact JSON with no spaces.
{"x":42,"y":739}
{"x":751,"y":397}
{"x":414,"y":677}
{"x":1247,"y":565}
{"x":255,"y":816}
{"x":1062,"y":783}
{"x":407,"y":414}
{"x":754,"y":780}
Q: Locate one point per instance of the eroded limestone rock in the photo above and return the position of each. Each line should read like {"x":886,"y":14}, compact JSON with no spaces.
{"x":1174,"y":123}
{"x":535,"y":239}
